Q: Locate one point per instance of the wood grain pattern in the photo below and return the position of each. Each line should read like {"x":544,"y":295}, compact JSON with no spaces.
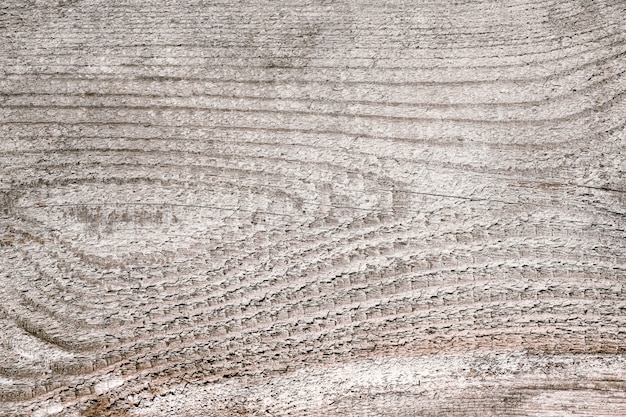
{"x":272,"y":208}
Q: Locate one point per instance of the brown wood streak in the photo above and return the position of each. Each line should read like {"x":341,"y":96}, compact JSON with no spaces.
{"x":272,"y":208}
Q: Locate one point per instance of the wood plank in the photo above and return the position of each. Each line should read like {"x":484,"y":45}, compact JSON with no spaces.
{"x":272,"y":208}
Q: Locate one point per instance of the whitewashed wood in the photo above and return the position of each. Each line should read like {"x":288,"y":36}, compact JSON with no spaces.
{"x":306,"y":208}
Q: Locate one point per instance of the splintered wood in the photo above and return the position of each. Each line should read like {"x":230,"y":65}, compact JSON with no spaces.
{"x":312,"y":208}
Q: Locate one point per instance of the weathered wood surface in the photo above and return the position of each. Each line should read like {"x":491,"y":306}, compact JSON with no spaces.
{"x":271,"y":208}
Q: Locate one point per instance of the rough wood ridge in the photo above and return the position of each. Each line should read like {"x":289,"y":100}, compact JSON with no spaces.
{"x":311,"y":207}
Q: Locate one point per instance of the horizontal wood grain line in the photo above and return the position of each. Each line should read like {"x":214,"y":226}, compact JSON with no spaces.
{"x":235,"y":41}
{"x":389,"y":290}
{"x":373,"y":61}
{"x":442,"y":141}
{"x":233,"y":110}
{"x":340,"y":81}
{"x":96,"y":95}
{"x":546,"y":323}
{"x":284,"y":80}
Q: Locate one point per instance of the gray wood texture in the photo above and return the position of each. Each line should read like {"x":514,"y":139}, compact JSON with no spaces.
{"x":310,"y":207}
